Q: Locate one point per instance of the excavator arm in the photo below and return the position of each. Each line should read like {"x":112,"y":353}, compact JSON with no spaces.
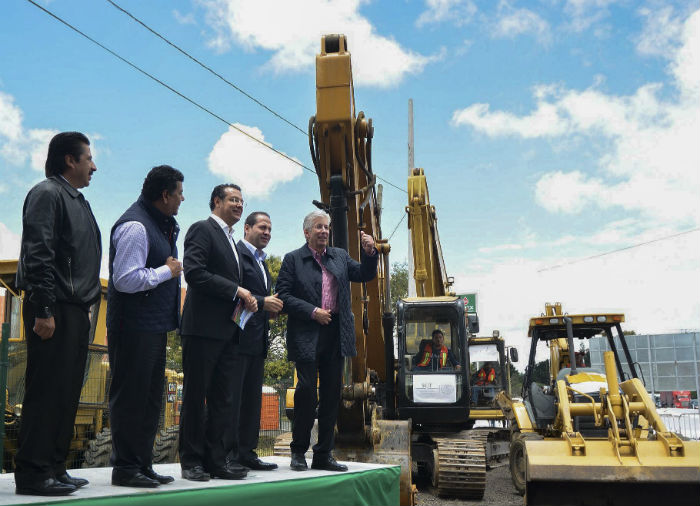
{"x":429,"y":271}
{"x":340,"y":141}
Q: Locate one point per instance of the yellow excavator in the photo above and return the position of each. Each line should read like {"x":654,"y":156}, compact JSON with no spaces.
{"x":587,"y":436}
{"x":390,"y":412}
{"x":435,"y":395}
{"x":490,"y":361}
{"x":340,"y":141}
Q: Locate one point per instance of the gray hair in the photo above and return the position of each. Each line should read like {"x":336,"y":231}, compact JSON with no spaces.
{"x":313,"y":216}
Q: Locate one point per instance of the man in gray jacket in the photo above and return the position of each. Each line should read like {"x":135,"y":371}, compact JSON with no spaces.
{"x":59,"y":270}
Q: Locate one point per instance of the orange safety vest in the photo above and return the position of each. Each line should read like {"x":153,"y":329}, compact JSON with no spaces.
{"x":486,"y":378}
{"x":428,"y":352}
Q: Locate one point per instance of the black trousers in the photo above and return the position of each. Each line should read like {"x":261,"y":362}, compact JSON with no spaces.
{"x":137,"y":362}
{"x":207,"y":402}
{"x":242,"y":437}
{"x":54,"y":379}
{"x":328,"y":368}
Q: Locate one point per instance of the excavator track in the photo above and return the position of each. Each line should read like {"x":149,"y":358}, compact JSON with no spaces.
{"x":460,"y":468}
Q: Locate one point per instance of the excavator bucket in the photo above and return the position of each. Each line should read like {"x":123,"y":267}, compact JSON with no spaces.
{"x":598,"y":477}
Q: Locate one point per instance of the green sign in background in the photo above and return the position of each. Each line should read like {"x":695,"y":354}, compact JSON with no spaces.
{"x":469,"y":302}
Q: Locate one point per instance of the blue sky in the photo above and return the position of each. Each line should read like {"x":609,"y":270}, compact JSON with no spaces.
{"x":551,"y":131}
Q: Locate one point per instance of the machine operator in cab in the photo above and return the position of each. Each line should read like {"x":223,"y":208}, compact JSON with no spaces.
{"x":433,"y":355}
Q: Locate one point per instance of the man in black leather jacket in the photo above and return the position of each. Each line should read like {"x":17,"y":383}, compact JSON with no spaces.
{"x":59,"y":270}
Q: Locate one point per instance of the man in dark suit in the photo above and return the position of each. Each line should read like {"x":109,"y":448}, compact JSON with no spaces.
{"x":252,"y":348}
{"x":314,"y":284}
{"x":209,"y":336}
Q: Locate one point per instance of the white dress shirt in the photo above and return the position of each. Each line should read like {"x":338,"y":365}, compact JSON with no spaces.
{"x":259,"y":256}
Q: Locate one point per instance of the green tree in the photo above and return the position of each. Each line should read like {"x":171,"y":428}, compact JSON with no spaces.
{"x":173,"y":351}
{"x":398,"y":282}
{"x":516,"y":381}
{"x":279,"y":372}
{"x":540,"y":372}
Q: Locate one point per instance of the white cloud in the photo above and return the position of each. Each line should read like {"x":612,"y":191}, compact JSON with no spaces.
{"x":459,"y":12}
{"x":569,"y":192}
{"x":652,"y":164}
{"x":184,"y":19}
{"x":255,"y":168}
{"x":585,"y":13}
{"x":662,"y":299}
{"x":18,"y":145}
{"x":9,"y":243}
{"x":513,"y":22}
{"x":294,"y":33}
{"x":661,"y":32}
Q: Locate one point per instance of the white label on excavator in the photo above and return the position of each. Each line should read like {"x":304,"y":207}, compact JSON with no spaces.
{"x":440,"y":388}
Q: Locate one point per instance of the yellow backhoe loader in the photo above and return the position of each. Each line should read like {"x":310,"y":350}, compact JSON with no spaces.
{"x":587,"y":436}
{"x":92,"y":441}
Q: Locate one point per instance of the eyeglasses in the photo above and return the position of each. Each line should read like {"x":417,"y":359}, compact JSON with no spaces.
{"x":236,"y":200}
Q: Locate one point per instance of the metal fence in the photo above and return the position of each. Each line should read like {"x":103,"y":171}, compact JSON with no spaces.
{"x":92,"y":443}
{"x":686,"y":424}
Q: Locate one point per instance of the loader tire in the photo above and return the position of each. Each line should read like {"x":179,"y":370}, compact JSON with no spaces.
{"x":518,"y":459}
{"x":99,"y":450}
{"x":518,"y":463}
{"x":165,"y":446}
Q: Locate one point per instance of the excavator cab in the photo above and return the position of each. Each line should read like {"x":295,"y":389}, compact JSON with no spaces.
{"x":433,"y":382}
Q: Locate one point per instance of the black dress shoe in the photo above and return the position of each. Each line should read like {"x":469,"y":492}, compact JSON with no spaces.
{"x":328,"y":464}
{"x":137,"y":479}
{"x":230,"y":472}
{"x":196,"y":473}
{"x":49,"y":486}
{"x":160,"y":478}
{"x":76,"y":482}
{"x":298,"y":462}
{"x":258,"y":465}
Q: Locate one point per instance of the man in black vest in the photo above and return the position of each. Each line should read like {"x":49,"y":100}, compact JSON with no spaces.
{"x":59,"y":271}
{"x":209,"y":338}
{"x":252,"y":348}
{"x":143,"y":303}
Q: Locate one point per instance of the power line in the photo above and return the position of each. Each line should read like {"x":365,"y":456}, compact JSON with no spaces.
{"x":188,"y":99}
{"x":215,"y":73}
{"x":619,"y":249}
{"x":181,"y":95}
{"x":397,"y":226}
{"x":205,"y":66}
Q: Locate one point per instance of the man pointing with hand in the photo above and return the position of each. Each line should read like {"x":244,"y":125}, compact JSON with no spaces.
{"x":314,"y":285}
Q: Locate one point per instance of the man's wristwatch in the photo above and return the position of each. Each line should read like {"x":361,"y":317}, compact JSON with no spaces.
{"x":44,"y":312}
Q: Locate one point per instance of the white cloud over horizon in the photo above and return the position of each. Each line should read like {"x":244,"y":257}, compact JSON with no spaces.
{"x":293,"y":37}
{"x":664,"y":298}
{"x":234,"y":152}
{"x":652,"y":165}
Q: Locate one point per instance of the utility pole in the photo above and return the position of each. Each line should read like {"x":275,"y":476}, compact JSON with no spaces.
{"x":411,"y":166}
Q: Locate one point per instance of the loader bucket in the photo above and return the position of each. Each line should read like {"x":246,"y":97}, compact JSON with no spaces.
{"x":555,"y":476}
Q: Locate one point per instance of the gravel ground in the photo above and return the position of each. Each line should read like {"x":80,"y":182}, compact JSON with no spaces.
{"x":499,"y":492}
